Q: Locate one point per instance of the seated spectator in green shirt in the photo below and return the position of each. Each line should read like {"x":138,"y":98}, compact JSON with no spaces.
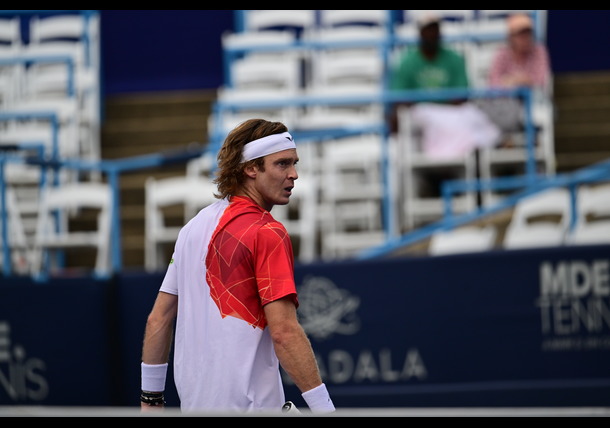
{"x":430,"y":66}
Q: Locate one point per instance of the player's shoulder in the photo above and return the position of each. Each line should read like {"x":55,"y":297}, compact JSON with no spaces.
{"x":207,"y":216}
{"x":268,"y":223}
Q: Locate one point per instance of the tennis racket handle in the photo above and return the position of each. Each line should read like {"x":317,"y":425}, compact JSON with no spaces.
{"x":289,"y":407}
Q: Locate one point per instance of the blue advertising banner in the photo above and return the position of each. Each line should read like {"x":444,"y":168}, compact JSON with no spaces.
{"x":55,"y":346}
{"x":505,"y":328}
{"x":136,"y":294}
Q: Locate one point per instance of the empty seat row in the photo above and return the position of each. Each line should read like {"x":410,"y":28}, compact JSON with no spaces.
{"x":50,"y":104}
{"x":346,"y":55}
{"x":542,"y":219}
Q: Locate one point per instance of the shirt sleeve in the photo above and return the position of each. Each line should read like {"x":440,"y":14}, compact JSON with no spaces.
{"x":498,"y":67}
{"x":542,"y":67}
{"x":274,"y":263}
{"x":170,"y":284}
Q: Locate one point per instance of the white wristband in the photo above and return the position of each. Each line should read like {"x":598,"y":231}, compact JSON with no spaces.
{"x":319,"y":400}
{"x":153,"y":377}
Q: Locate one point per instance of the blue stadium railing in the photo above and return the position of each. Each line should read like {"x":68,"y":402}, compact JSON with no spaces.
{"x":387,"y":98}
{"x":113,"y":169}
{"x":529,"y":183}
{"x":524,"y":185}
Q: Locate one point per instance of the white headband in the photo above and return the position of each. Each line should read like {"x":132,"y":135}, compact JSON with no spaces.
{"x":265,"y":146}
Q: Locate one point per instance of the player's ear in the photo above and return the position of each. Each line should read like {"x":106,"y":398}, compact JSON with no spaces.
{"x":251,"y":170}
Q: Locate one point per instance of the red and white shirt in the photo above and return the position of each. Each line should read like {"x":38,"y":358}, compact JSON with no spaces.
{"x":228,"y":262}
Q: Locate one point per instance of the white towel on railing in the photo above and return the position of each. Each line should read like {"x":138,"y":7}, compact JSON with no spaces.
{"x":450,"y":131}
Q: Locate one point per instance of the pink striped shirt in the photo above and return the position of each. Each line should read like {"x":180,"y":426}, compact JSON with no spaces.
{"x":536,"y":65}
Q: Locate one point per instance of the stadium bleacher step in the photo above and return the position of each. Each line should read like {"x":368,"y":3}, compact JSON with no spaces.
{"x":582,"y":130}
{"x":141,"y":124}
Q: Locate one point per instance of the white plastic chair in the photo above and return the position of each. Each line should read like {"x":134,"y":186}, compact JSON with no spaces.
{"x":266,"y":72}
{"x":540,"y":220}
{"x":10,"y":30}
{"x":350,"y":65}
{"x":464,"y":239}
{"x":459,"y":14}
{"x":222,"y":123}
{"x":202,"y":166}
{"x":73,"y":32}
{"x":257,"y":39}
{"x":256,"y":68}
{"x":189,"y":193}
{"x":348,"y":115}
{"x":350,"y":208}
{"x":593,"y":216}
{"x":502,"y":14}
{"x":415,"y":166}
{"x":75,"y":36}
{"x":58,"y":206}
{"x":353,"y":53}
{"x":334,"y":18}
{"x":40,"y":130}
{"x":10,"y":74}
{"x":17,"y":240}
{"x":256,"y":20}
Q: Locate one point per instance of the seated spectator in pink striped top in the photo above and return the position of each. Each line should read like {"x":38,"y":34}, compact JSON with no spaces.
{"x":523,"y":61}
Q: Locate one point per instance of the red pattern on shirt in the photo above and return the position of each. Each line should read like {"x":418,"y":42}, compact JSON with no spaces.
{"x":249,"y":263}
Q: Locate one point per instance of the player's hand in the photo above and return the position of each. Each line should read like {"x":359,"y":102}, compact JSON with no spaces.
{"x":147,"y":408}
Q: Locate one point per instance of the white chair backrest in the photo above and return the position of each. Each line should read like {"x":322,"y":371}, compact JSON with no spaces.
{"x":193,"y":192}
{"x":353,"y":166}
{"x":229,"y":119}
{"x":266,"y":72}
{"x":464,"y":239}
{"x":541,"y":219}
{"x":256,"y":20}
{"x":201,"y":166}
{"x":190,"y":192}
{"x":10,"y":31}
{"x":57,"y":27}
{"x":16,"y":239}
{"x":500,"y":14}
{"x":68,"y":200}
{"x":261,"y":38}
{"x":78,"y":195}
{"x":445,"y":15}
{"x":331,"y":18}
{"x":592,"y":215}
{"x":349,"y":33}
{"x":75,"y":34}
{"x":593,"y":200}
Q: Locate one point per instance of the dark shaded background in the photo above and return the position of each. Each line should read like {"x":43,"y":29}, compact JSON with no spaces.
{"x":158,"y":50}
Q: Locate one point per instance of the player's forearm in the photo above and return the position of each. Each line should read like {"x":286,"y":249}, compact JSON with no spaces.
{"x":298,"y":360}
{"x":159,"y":329}
{"x":157,"y":342}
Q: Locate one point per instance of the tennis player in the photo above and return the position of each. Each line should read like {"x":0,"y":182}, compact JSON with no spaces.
{"x":228,"y":298}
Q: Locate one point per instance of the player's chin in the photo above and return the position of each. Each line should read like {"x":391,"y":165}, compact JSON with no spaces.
{"x":283,"y":199}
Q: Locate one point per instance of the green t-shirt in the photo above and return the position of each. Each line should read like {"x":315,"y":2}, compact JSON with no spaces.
{"x":447,"y":70}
